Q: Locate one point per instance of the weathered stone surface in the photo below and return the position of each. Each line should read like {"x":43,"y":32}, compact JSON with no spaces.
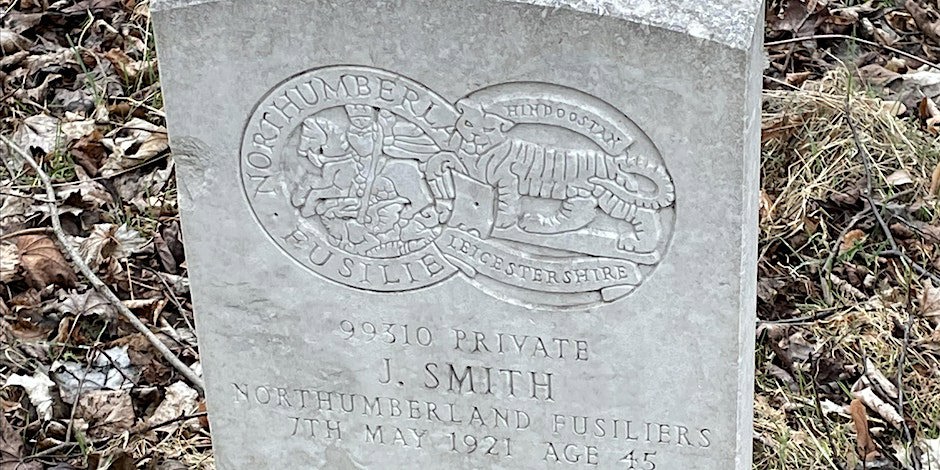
{"x":475,"y":234}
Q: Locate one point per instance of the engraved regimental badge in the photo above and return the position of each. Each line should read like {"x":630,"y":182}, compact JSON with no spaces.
{"x":541,"y":195}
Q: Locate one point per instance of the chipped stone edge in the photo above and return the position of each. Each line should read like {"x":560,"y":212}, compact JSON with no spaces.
{"x":735,"y":29}
{"x":162,"y":5}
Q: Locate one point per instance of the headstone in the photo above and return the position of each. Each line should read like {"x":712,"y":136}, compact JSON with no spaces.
{"x":470,"y":234}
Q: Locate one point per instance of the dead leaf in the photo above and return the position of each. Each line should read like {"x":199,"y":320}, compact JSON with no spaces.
{"x":864,"y":445}
{"x":935,"y":182}
{"x":913,"y":86}
{"x":145,"y":190}
{"x":109,"y":369}
{"x":204,"y":419}
{"x":11,"y":42}
{"x":89,"y":152}
{"x":930,"y":300}
{"x":896,"y":65}
{"x":798,"y":78}
{"x":89,"y":302}
{"x":875,"y":74}
{"x":12,"y":449}
{"x":851,"y":239}
{"x":38,"y":387}
{"x":930,"y":112}
{"x":854,"y":12}
{"x":874,"y":376}
{"x":43,"y":262}
{"x":126,"y":66}
{"x":886,"y":35}
{"x":92,"y":194}
{"x":896,"y":108}
{"x":108,"y":412}
{"x":9,"y":261}
{"x":110,"y":241}
{"x":16,"y":208}
{"x":899,"y":178}
{"x":134,"y":144}
{"x":145,"y":358}
{"x":928,"y":449}
{"x":878,"y":405}
{"x":180,"y":400}
{"x":48,"y":133}
{"x":74,"y":127}
{"x":925,"y":21}
{"x":172,"y":464}
{"x":766,"y":205}
{"x":140,"y":303}
{"x":39,"y":131}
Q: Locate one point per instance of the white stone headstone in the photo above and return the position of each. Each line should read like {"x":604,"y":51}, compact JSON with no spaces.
{"x":470,"y":234}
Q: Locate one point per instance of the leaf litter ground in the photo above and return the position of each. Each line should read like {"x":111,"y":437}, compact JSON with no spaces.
{"x":848,"y":359}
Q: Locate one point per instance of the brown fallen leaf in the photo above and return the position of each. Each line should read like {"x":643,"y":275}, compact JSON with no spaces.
{"x":876,"y":403}
{"x":89,"y":152}
{"x":110,"y":240}
{"x":125,"y":110}
{"x":766,"y":205}
{"x":11,"y":42}
{"x":9,"y":261}
{"x":930,"y":301}
{"x":43,"y":262}
{"x":930,"y":112}
{"x":113,"y":460}
{"x":935,"y":181}
{"x":798,"y":78}
{"x":134,"y":144}
{"x":864,"y":444}
{"x":926,"y":21}
{"x":145,"y":357}
{"x":121,"y":62}
{"x":204,"y":419}
{"x":11,"y":449}
{"x":89,"y":302}
{"x":899,"y":178}
{"x":851,"y":240}
{"x":874,"y":74}
{"x":92,"y":194}
{"x":180,"y":400}
{"x":108,"y":412}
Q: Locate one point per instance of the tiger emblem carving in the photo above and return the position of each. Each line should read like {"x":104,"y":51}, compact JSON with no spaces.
{"x":626,"y":187}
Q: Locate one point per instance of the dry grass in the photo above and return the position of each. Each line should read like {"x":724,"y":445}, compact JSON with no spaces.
{"x":813,"y":347}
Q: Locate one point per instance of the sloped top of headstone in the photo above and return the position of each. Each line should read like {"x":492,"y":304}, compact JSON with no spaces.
{"x":729,"y":22}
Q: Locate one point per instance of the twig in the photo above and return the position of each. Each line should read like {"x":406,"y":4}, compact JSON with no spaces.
{"x":827,"y":266}
{"x":100,"y":178}
{"x":822,"y":417}
{"x":25,"y":231}
{"x":875,"y":206}
{"x":95,"y":281}
{"x":852,"y":38}
{"x":916,"y":267}
{"x":902,"y":359}
{"x":177,"y":419}
{"x":78,"y":394}
{"x":866,"y":162}
{"x":67,"y":443}
{"x":822,"y":314}
{"x":51,"y":450}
